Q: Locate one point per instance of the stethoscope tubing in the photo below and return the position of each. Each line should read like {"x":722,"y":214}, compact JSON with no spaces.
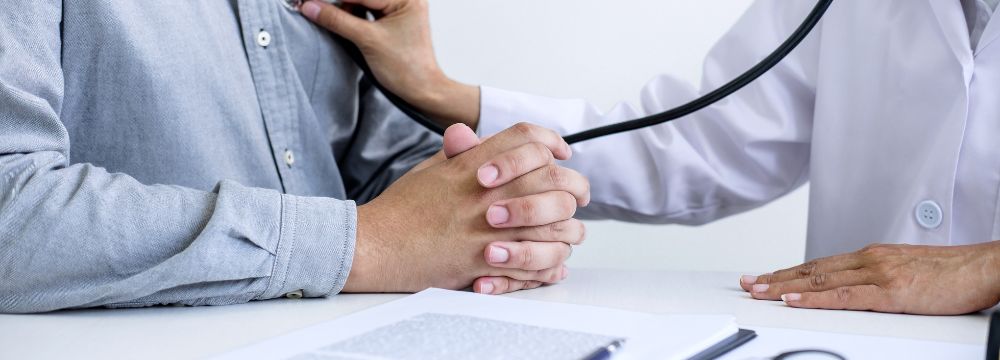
{"x":765,"y":65}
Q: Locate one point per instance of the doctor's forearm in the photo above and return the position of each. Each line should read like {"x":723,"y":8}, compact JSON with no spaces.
{"x":450,"y":102}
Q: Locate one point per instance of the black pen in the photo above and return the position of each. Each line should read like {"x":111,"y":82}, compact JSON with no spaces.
{"x":607,"y":351}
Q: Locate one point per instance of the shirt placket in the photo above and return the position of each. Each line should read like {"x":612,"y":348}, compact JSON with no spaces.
{"x":271,"y":70}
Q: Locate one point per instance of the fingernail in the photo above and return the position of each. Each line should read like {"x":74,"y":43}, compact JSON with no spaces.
{"x":759,"y":288}
{"x":748,"y":280}
{"x":791,"y":297}
{"x":488,"y":174}
{"x":497,"y":215}
{"x":486,"y":287}
{"x":310,"y":9}
{"x":498,"y":255}
{"x":565,"y":273}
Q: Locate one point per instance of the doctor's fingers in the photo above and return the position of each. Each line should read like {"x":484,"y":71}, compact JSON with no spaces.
{"x":378,"y":5}
{"x":815,"y":283}
{"x":860,"y":298}
{"x":345,"y":24}
{"x":550,"y":177}
{"x":527,"y":255}
{"x":532,"y":210}
{"x":819,"y":266}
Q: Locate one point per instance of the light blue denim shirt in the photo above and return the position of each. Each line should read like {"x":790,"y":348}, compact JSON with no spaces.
{"x":194,"y":152}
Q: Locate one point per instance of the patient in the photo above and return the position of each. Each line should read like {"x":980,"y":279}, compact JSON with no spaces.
{"x":218,"y":152}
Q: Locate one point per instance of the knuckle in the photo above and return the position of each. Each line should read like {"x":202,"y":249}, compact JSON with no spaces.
{"x":806,"y":269}
{"x":556,"y":176}
{"x":764,"y":278}
{"x":542,"y":151}
{"x":515,"y":162}
{"x":525,"y":129}
{"x":557,"y":231}
{"x":528,"y":211}
{"x":567,"y":205}
{"x":526,"y":257}
{"x":550,"y":134}
{"x":843,"y":295}
{"x":818,"y":281}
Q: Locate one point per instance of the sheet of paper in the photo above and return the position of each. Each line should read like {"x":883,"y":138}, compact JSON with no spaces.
{"x":773,"y":341}
{"x":441,"y":324}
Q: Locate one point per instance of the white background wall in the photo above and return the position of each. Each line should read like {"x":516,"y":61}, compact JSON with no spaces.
{"x":605,"y":51}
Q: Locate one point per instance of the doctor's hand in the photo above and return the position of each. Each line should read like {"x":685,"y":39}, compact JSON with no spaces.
{"x":927,"y":280}
{"x":437,"y":226}
{"x":399,"y":50}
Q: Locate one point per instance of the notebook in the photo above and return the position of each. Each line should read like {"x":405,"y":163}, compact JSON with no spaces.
{"x":442,"y":324}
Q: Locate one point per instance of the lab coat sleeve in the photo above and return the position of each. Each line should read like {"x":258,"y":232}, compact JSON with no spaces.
{"x":75,"y":235}
{"x":731,"y":157}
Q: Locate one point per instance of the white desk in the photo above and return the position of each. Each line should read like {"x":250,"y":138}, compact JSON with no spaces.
{"x":180,"y":333}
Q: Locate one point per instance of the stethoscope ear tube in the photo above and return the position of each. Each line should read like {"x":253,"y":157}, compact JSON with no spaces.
{"x":702,"y":102}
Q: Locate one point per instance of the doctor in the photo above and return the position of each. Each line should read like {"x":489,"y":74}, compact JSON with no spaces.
{"x":889,"y":110}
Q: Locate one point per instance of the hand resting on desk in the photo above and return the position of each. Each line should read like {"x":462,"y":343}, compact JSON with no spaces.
{"x":927,"y":280}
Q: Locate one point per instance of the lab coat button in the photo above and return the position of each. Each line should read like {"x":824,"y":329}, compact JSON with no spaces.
{"x":289,"y":158}
{"x":297,"y":294}
{"x":263,"y":38}
{"x":929,"y":215}
{"x":292,"y":4}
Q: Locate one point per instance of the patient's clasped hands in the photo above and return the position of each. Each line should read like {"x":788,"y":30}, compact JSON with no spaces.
{"x":497,"y":213}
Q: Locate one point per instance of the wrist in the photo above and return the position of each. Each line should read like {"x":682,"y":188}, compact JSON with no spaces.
{"x":366,"y":273}
{"x":450,"y":101}
{"x":992,"y":270}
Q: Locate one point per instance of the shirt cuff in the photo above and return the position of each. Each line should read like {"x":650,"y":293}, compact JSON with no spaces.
{"x":316,"y":247}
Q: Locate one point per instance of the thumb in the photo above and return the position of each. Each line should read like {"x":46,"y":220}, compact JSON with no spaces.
{"x":458,"y":139}
{"x":337,"y":20}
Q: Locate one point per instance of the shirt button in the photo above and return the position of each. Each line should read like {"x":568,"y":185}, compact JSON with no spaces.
{"x":263,"y":38}
{"x":929,"y":215}
{"x":289,"y":158}
{"x":292,"y":4}
{"x":297,"y":294}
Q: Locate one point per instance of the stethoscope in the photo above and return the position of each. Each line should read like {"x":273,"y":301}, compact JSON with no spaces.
{"x":681,"y":111}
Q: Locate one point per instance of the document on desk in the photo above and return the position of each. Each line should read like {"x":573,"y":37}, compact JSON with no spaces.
{"x":441,"y":324}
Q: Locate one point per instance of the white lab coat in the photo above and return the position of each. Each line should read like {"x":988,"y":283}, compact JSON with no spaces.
{"x":885,"y":109}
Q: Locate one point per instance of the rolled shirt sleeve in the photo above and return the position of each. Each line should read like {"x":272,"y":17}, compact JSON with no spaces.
{"x":315,"y":248}
{"x":77,"y":235}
